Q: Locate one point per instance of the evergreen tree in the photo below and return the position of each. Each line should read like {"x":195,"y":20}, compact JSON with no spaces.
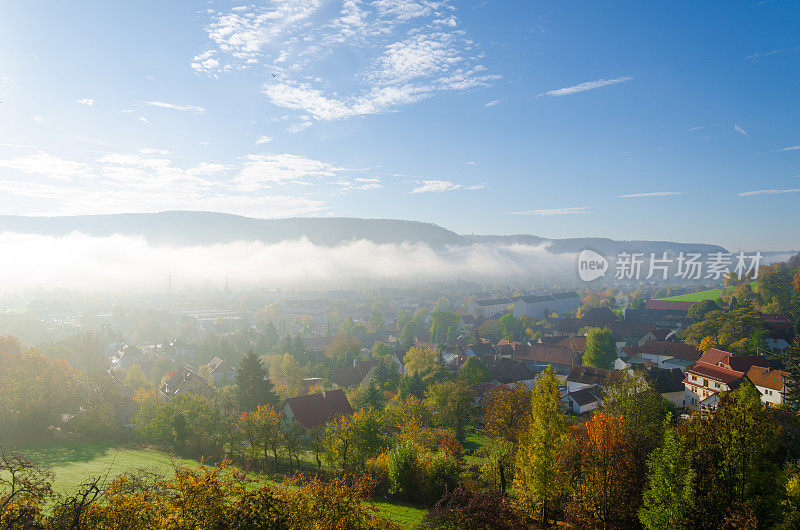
{"x":539,"y":480}
{"x":253,"y":386}
{"x":791,"y":362}
{"x":670,"y":491}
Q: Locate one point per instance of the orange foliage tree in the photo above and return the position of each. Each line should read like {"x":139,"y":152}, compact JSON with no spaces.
{"x":263,"y":429}
{"x":604,"y":474}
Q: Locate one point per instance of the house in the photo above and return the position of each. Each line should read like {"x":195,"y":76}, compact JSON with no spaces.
{"x":658,"y":334}
{"x":221,"y":372}
{"x":587,"y":376}
{"x":585,"y":400}
{"x":599,"y":317}
{"x":669,"y":383}
{"x":126,"y":357}
{"x":315,"y":410}
{"x":184,"y":381}
{"x":544,"y":305}
{"x":576,"y":344}
{"x":780,"y":326}
{"x":505,"y":371}
{"x":714,"y":372}
{"x":538,"y":356}
{"x":666,"y":313}
{"x":771,"y":384}
{"x":347,"y":376}
{"x":489,"y":308}
{"x":660,"y":351}
{"x":675,"y":362}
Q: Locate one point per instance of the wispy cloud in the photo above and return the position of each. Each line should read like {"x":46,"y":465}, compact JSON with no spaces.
{"x":407,"y":50}
{"x":152,"y":151}
{"x":583,"y":87}
{"x":650,"y":194}
{"x":554,"y":211}
{"x":429,"y":186}
{"x":85,"y":101}
{"x":791,"y":148}
{"x":739,"y":130}
{"x":493,"y":103}
{"x":761,"y":55}
{"x":172,"y":106}
{"x":768,"y":192}
{"x":263,"y":140}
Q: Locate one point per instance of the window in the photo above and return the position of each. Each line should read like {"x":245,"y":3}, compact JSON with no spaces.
{"x":705,"y":382}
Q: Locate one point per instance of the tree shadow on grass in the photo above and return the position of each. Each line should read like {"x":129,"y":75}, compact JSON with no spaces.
{"x":52,"y":455}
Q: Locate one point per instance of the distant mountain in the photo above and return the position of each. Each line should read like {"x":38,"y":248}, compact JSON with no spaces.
{"x":204,"y":228}
{"x":607,"y":247}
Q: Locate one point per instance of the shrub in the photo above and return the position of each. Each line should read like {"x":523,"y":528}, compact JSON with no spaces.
{"x":441,"y":472}
{"x":403,"y":471}
{"x":466,"y":509}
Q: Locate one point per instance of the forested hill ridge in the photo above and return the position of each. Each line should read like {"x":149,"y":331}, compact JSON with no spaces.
{"x":182,"y":228}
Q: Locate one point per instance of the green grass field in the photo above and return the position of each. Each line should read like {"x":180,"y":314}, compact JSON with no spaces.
{"x":713,"y":294}
{"x":74,"y":463}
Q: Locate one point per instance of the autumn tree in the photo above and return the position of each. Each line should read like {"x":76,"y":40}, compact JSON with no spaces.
{"x":24,"y":487}
{"x":422,"y":360}
{"x":540,"y":482}
{"x":511,"y":328}
{"x":507,"y":412}
{"x":601,"y":350}
{"x":451,"y":404}
{"x":263,"y":428}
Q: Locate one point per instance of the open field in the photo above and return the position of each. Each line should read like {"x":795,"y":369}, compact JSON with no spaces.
{"x":73,"y":463}
{"x":712,"y":294}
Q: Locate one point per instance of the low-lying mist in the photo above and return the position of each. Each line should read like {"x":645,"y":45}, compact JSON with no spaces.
{"x":88,"y":263}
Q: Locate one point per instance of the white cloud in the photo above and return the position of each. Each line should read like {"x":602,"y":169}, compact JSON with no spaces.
{"x":583,"y":87}
{"x":399,"y":52}
{"x":142,"y":119}
{"x":739,"y":130}
{"x":791,"y":148}
{"x":493,"y":102}
{"x":172,"y":106}
{"x":651,"y":194}
{"x":151,"y":151}
{"x":49,"y":166}
{"x":298,"y":127}
{"x":768,"y":192}
{"x":263,"y":170}
{"x":37,"y":118}
{"x":263,"y":140}
{"x":472,"y":163}
{"x":427,"y":186}
{"x":85,"y":101}
{"x":554,"y":211}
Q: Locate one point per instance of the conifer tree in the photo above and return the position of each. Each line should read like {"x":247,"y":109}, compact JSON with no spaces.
{"x":253,"y":386}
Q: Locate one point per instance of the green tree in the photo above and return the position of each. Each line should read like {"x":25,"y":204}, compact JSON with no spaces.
{"x":539,"y":481}
{"x":253,"y":387}
{"x":601,"y":351}
{"x":451,"y":403}
{"x":422,"y":360}
{"x":441,"y":322}
{"x":511,"y":328}
{"x":473,"y":372}
{"x":670,"y":495}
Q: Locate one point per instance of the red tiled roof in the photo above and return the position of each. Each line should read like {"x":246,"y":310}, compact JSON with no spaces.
{"x":714,"y":356}
{"x":589,"y":375}
{"x":680,"y":350}
{"x":765,"y":377}
{"x":668,"y":305}
{"x":573,"y":343}
{"x":544,"y":353}
{"x":314,"y":410}
{"x":718,"y":373}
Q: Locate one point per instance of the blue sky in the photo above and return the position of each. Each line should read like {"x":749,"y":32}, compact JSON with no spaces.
{"x":646,"y":120}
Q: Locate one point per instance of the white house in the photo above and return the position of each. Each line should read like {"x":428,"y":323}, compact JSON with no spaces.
{"x":771,"y":384}
{"x":585,"y":399}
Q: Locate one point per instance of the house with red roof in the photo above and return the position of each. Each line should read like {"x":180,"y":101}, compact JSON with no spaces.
{"x":315,"y":410}
{"x":717,"y":371}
